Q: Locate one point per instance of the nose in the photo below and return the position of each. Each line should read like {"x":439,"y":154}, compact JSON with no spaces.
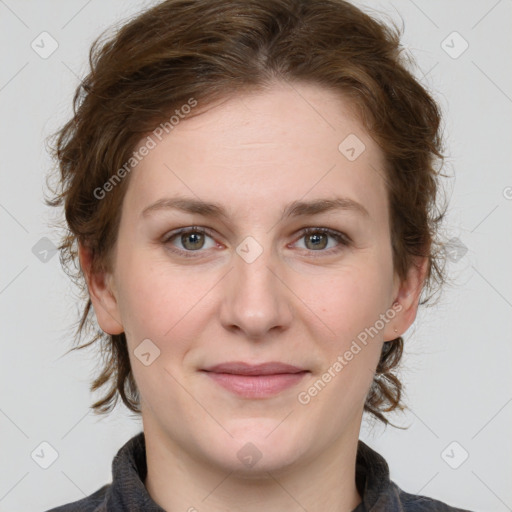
{"x":256,"y":299}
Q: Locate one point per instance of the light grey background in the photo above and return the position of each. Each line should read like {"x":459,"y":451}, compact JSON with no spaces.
{"x":458,"y":354}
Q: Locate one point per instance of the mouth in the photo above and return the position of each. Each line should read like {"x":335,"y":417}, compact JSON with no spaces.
{"x":255,"y":381}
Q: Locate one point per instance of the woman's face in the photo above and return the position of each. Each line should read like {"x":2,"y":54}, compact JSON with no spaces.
{"x":253,"y":287}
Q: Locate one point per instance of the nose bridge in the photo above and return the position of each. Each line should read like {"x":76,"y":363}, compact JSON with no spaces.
{"x":256,"y":300}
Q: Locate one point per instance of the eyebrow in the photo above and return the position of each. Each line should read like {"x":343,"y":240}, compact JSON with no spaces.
{"x":294,"y":209}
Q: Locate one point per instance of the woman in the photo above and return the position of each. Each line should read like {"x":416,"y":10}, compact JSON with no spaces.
{"x":250,"y":190}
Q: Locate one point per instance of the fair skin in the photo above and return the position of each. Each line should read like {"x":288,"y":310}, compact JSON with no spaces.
{"x":295,"y":303}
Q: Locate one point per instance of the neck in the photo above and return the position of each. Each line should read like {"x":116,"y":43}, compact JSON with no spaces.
{"x":182,"y":480}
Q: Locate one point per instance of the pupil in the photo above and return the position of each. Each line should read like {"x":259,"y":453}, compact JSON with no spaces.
{"x":195,"y":240}
{"x":316,"y":240}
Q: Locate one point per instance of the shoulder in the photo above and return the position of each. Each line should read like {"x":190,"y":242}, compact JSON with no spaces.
{"x":92,"y":503}
{"x":418,"y":503}
{"x":381,"y":494}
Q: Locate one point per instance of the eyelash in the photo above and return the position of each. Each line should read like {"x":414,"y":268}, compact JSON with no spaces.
{"x":341,"y":238}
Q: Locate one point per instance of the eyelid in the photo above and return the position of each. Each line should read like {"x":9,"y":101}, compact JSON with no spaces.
{"x":200,"y":229}
{"x":328,"y":231}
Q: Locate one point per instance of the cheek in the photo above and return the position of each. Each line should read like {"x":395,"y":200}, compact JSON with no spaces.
{"x":162,"y":302}
{"x":350,"y":309}
{"x":348,"y":299}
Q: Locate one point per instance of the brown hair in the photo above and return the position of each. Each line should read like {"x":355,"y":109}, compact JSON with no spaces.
{"x":212,"y":49}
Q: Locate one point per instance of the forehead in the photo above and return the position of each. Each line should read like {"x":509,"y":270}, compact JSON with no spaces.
{"x":256,"y":150}
{"x":303,"y":115}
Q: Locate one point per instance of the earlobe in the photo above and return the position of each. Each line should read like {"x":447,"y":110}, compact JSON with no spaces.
{"x":102,"y":294}
{"x":407,"y":299}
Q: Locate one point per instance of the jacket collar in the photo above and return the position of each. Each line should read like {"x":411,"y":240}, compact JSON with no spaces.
{"x":129,"y":469}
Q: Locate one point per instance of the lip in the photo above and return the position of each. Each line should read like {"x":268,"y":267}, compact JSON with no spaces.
{"x":241,"y":368}
{"x":255,"y":381}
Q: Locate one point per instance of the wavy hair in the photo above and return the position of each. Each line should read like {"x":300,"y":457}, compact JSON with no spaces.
{"x":212,"y":49}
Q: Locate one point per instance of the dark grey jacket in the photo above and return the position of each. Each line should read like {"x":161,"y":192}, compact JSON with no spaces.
{"x":127,"y":492}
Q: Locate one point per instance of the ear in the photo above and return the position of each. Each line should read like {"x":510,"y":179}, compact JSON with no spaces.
{"x":102,"y":294}
{"x":406,"y":299}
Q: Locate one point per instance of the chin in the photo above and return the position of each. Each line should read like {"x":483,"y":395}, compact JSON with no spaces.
{"x":255,"y":450}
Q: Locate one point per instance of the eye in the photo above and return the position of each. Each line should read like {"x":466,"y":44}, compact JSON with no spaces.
{"x":192,"y":239}
{"x":317,"y":239}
